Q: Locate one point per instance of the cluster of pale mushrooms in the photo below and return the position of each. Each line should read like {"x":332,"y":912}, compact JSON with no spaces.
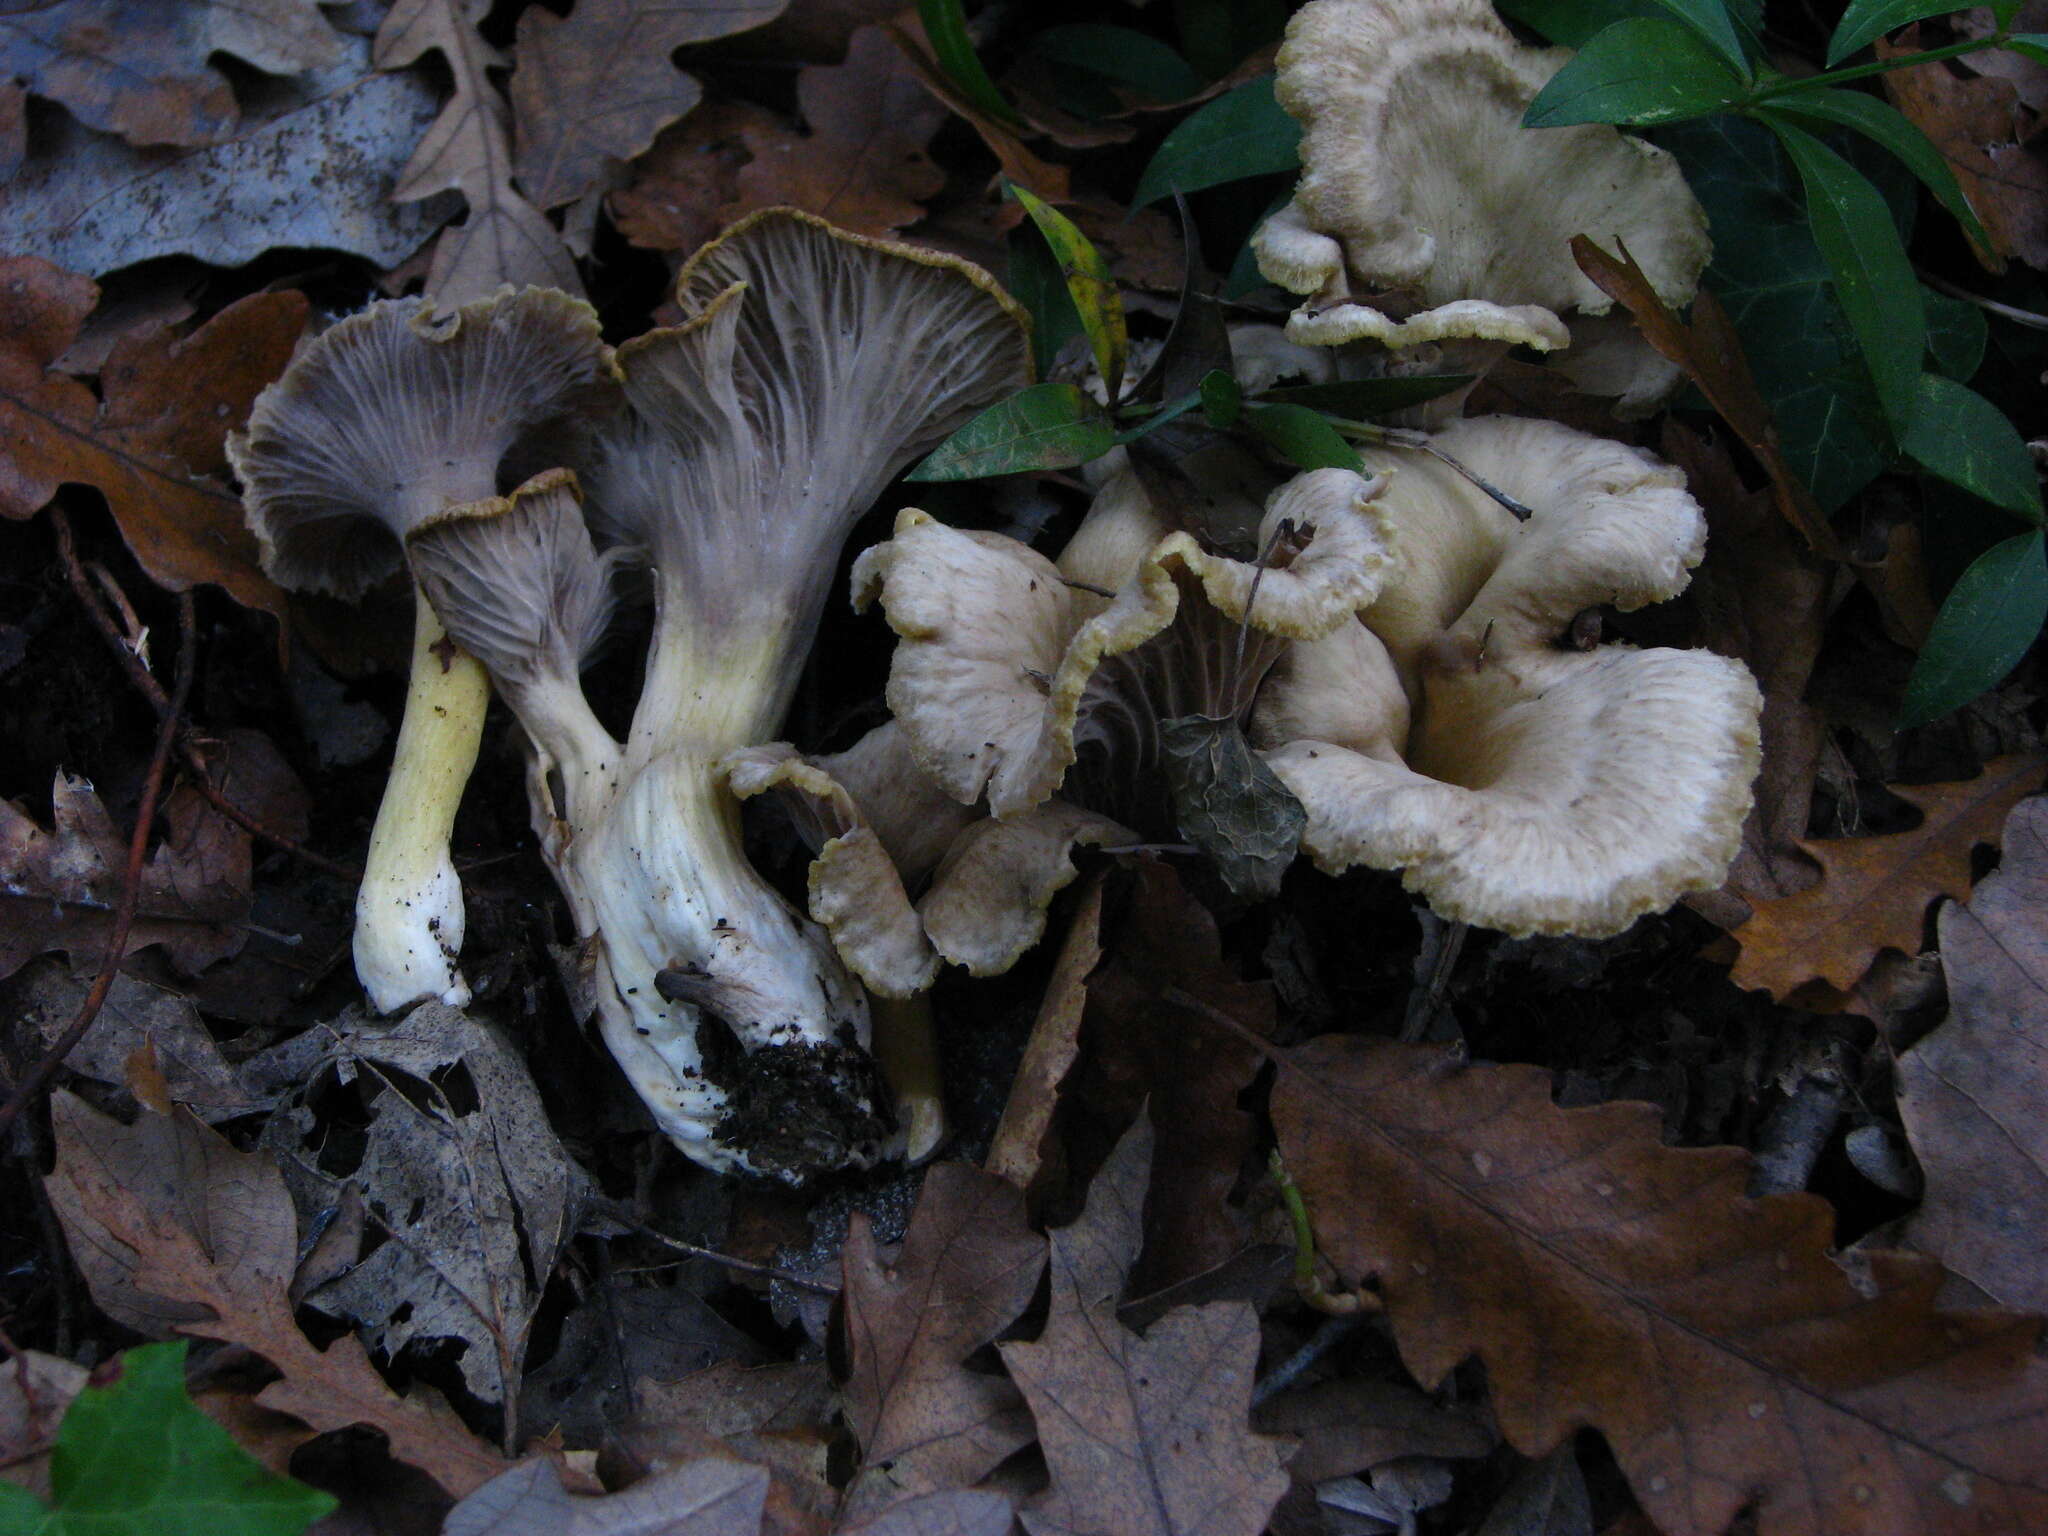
{"x":1410,"y":652}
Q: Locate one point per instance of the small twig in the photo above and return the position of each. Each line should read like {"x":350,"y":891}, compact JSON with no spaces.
{"x":1405,"y":437}
{"x":2026,"y":317}
{"x":40,"y":1074}
{"x":1087,"y":586}
{"x":146,"y":684}
{"x":725,"y":1260}
{"x":1331,"y":1332}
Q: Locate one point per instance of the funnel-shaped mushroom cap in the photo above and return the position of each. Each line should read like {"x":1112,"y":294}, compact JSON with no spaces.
{"x":397,"y":412}
{"x":1522,"y":784}
{"x":1418,"y":176}
{"x":1001,"y":669}
{"x":516,"y":580}
{"x":815,"y":365}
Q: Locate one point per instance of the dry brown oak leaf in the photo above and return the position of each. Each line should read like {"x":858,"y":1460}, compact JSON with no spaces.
{"x":594,"y":87}
{"x":145,"y":71}
{"x":503,"y":238}
{"x":968,"y":1266}
{"x":1873,"y":891}
{"x":174,"y":1229}
{"x":1606,"y":1280}
{"x":1973,"y":1093}
{"x":1143,"y":1436}
{"x":152,"y":442}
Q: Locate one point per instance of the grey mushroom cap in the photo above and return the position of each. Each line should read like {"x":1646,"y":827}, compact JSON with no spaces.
{"x":398,"y":412}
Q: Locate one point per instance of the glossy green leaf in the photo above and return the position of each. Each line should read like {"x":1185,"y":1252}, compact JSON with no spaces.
{"x":135,"y":1458}
{"x":1358,"y":399}
{"x":1872,"y":277}
{"x":1048,"y":426}
{"x":1035,"y":281}
{"x":1245,"y":132}
{"x":1303,"y":437}
{"x":1648,"y":70}
{"x":1123,"y":55}
{"x":1089,"y":284}
{"x":1866,"y":20}
{"x":1991,"y":617}
{"x":1957,"y":334}
{"x":945,"y":27}
{"x":1570,"y":23}
{"x":2033,"y":45}
{"x":1883,"y":124}
{"x":1710,"y":19}
{"x":1965,"y":439}
{"x":1222,"y":399}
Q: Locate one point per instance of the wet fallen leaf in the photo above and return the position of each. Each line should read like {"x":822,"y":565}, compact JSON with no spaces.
{"x":861,"y":161}
{"x":310,"y":163}
{"x":1984,"y":131}
{"x":1709,"y":351}
{"x":1230,"y":803}
{"x":781,"y":1417}
{"x":698,"y":1498}
{"x":1143,"y":1436}
{"x":146,"y":72}
{"x":173,"y":1228}
{"x":1607,"y":1280}
{"x":465,"y":1182}
{"x":1971,"y":1092}
{"x":969,"y":1264}
{"x":503,"y":238}
{"x":593,"y":88}
{"x":683,"y":185}
{"x":155,"y":435}
{"x":1022,"y":1145}
{"x":1874,"y":891}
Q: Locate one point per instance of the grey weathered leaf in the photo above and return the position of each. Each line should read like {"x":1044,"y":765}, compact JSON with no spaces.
{"x":705,"y":1497}
{"x":1230,"y":804}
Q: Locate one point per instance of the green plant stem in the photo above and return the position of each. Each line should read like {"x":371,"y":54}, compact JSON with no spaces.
{"x":1875,"y":67}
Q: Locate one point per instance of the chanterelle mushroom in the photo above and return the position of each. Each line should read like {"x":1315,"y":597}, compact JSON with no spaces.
{"x":1472,"y":732}
{"x":813,"y":366}
{"x":387,"y":418}
{"x":1418,"y":177}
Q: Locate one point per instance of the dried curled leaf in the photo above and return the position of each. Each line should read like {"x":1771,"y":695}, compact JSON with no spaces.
{"x":1873,"y":891}
{"x":1608,"y":1280}
{"x":1230,"y":803}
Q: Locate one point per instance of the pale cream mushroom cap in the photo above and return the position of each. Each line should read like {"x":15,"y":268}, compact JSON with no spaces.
{"x":997,"y":655}
{"x":1519,"y":784}
{"x":1418,"y":176}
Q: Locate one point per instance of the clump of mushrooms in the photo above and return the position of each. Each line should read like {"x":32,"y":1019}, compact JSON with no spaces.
{"x":386,"y":419}
{"x":1421,"y":185}
{"x":813,"y":366}
{"x":1473,"y":731}
{"x":1029,"y":700}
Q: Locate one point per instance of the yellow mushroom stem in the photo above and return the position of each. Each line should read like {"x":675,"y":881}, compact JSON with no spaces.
{"x":409,"y":918}
{"x":906,"y":1048}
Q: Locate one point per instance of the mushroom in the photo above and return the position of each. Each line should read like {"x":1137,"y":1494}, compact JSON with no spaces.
{"x":1471,"y":730}
{"x":814,"y":364}
{"x":1418,"y":177}
{"x":386,"y":419}
{"x":1038,"y":691}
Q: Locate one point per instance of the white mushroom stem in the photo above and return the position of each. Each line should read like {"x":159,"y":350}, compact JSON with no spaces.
{"x":409,"y":919}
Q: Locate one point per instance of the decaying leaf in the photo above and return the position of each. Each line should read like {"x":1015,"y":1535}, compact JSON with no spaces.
{"x":1347,"y":1425}
{"x":310,"y":163}
{"x":968,"y":1266}
{"x":173,"y":1227}
{"x":1231,"y":804}
{"x":956,"y":1512}
{"x":1972,"y":1093}
{"x":1874,"y":891}
{"x":155,"y":435}
{"x":594,"y":87}
{"x":1606,"y":1279}
{"x":1019,"y":1150}
{"x":145,"y":72}
{"x":683,"y":185}
{"x":698,"y":1498}
{"x":1027,"y":170}
{"x":35,"y":1389}
{"x":1143,"y":1436}
{"x":466,"y":1185}
{"x":503,"y":238}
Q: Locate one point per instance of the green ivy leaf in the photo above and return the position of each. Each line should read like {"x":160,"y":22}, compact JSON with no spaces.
{"x":1303,"y":437}
{"x":1866,"y":20}
{"x":1245,"y":132}
{"x":1991,"y":617}
{"x":136,"y":1458}
{"x":1358,"y":399}
{"x":1123,"y":56}
{"x":1872,"y":277}
{"x":1048,"y":426}
{"x":1089,"y":284}
{"x":1230,"y":803}
{"x":1883,"y":124}
{"x":945,"y":27}
{"x":1957,"y":334}
{"x":1710,"y":19}
{"x":1965,"y":439}
{"x":1642,"y":71}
